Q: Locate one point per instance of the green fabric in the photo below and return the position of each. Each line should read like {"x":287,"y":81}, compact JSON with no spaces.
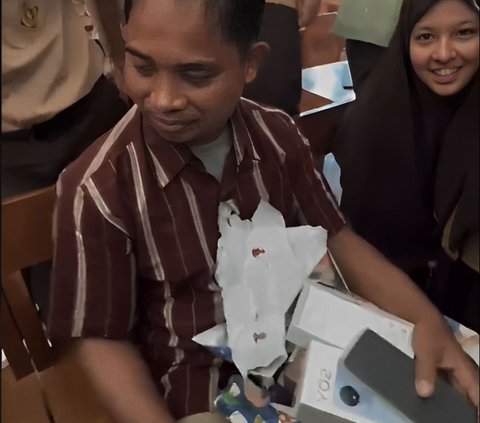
{"x":372,"y":21}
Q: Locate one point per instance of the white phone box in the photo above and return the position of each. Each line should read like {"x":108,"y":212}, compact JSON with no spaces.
{"x":336,"y":318}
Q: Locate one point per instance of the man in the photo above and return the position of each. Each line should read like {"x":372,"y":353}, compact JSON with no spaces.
{"x":136,"y":219}
{"x":279,"y":80}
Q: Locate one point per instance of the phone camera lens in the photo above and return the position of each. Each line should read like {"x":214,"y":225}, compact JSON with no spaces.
{"x":349,"y":396}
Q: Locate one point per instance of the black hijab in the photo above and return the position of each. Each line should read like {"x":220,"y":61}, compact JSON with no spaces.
{"x":409,"y":156}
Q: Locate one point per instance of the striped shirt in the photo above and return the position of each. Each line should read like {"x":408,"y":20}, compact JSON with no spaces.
{"x":136,"y":239}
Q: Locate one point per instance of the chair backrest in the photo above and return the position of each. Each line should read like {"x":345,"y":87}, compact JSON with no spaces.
{"x":26,"y":241}
{"x":56,"y":372}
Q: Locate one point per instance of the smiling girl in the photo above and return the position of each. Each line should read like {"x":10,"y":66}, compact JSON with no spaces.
{"x":408,"y":150}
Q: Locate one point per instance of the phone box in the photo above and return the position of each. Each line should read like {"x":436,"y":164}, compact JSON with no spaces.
{"x":376,"y":381}
{"x":371,"y":381}
{"x":336,"y":318}
{"x":315,"y":394}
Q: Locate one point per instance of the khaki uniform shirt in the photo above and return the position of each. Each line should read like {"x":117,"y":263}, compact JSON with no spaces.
{"x":49,"y":59}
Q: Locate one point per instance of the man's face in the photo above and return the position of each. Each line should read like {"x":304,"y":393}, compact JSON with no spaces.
{"x":185,"y":78}
{"x":444,"y":47}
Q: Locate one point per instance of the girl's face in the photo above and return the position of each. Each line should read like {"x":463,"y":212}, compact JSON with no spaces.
{"x":444,"y":47}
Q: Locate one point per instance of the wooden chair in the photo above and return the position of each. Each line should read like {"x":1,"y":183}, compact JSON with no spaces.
{"x":42,"y":383}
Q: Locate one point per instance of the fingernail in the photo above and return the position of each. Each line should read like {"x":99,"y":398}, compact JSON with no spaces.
{"x":424,"y":388}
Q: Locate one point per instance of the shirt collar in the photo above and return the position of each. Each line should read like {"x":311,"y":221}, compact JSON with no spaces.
{"x":242,"y":135}
{"x":169,"y":159}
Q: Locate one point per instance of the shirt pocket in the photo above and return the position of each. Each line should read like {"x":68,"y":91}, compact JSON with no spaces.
{"x":29,"y":23}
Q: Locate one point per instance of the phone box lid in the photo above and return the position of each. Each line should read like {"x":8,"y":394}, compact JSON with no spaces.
{"x":336,"y":318}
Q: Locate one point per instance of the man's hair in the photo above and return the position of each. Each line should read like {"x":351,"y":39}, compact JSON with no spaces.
{"x":239,"y":21}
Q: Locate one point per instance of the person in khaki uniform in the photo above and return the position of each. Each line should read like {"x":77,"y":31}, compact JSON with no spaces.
{"x":55,"y":99}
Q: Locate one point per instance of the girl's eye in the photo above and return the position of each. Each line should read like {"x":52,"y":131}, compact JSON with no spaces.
{"x":465,"y":32}
{"x":425,"y":37}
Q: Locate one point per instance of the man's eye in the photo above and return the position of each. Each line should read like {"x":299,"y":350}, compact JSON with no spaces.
{"x":197,"y":75}
{"x":145,"y":70}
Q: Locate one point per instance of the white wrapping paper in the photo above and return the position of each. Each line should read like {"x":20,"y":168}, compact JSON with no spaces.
{"x":261,"y":267}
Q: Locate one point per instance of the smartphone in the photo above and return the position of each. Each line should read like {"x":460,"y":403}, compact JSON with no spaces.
{"x":376,"y":380}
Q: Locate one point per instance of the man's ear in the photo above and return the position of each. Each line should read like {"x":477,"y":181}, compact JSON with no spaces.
{"x":254,"y":59}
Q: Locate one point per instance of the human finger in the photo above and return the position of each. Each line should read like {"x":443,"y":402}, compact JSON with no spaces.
{"x":425,"y":375}
{"x":463,"y":375}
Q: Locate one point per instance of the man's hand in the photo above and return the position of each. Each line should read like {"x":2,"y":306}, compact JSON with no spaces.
{"x":122,"y":381}
{"x":436,"y":349}
{"x":307,"y":11}
{"x":371,"y":276}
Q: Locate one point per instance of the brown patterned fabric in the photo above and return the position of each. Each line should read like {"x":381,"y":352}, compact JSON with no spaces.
{"x":136,"y":239}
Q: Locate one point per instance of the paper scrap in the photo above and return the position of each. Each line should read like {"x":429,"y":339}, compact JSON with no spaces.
{"x":261,"y":268}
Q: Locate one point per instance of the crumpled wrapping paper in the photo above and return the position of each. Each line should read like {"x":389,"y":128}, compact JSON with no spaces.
{"x":261,"y":267}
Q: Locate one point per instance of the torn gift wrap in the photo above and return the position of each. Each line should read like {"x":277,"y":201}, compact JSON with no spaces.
{"x":261,"y":267}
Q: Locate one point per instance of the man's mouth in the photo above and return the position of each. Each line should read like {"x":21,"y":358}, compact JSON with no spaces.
{"x":168,"y":122}
{"x":170,"y":125}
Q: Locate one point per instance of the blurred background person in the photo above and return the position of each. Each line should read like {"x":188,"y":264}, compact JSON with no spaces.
{"x":56,"y":99}
{"x":367,"y":26}
{"x":279,"y":80}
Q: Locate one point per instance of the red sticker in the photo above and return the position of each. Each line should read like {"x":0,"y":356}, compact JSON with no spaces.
{"x":257,"y":251}
{"x":259,"y":336}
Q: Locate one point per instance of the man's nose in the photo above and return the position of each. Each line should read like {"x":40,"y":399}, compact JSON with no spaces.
{"x":444,"y":50}
{"x":167,"y":95}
